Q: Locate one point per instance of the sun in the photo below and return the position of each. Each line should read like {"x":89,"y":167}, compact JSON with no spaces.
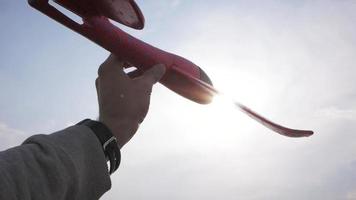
{"x":240,"y":86}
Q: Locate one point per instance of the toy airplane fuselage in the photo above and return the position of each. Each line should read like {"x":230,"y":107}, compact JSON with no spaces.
{"x":182,"y":76}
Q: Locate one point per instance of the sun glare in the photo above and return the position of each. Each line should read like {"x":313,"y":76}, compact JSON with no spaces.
{"x":241,"y":87}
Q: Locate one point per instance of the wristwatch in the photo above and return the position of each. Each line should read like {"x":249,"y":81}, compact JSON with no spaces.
{"x":107,"y":140}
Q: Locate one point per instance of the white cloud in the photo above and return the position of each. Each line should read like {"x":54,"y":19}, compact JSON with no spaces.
{"x":351,"y":195}
{"x":10,"y":137}
{"x":176,"y":3}
{"x":337,"y":113}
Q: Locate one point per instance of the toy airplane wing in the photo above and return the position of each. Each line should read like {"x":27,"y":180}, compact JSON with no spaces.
{"x":125,"y":12}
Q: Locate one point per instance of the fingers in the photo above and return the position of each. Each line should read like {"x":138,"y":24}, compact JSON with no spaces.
{"x":112,"y":65}
{"x":154,"y":74}
{"x":135,"y":74}
{"x":127,"y":65}
{"x":97,"y":86}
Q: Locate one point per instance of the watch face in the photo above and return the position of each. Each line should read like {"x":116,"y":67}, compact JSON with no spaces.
{"x":125,"y":12}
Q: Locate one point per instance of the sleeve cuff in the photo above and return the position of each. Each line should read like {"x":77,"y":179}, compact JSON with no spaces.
{"x":82,"y":148}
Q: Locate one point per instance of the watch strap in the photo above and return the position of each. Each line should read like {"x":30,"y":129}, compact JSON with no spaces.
{"x":107,"y":140}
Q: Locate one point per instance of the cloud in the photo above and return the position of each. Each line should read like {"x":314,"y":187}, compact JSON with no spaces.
{"x":10,"y":137}
{"x":176,"y":3}
{"x":351,"y":195}
{"x":337,"y":113}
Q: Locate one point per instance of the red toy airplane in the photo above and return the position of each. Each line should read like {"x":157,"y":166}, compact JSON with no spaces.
{"x":182,"y":76}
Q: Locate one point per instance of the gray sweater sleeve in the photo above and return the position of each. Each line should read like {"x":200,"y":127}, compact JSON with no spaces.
{"x":69,"y":164}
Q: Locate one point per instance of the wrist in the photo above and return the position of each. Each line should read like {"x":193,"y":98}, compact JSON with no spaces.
{"x":123,"y":130}
{"x":107,"y":140}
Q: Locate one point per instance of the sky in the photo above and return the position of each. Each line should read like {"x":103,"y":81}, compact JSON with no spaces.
{"x":292,"y":61}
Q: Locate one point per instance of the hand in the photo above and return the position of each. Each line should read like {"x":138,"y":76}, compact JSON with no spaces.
{"x":124,"y":102}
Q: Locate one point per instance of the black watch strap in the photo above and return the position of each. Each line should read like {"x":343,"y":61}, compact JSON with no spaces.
{"x":107,"y":140}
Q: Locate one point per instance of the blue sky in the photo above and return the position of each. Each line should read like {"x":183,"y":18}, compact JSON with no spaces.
{"x":293,"y":61}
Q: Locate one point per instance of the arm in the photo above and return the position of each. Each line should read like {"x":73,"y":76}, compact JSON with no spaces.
{"x":70,"y":164}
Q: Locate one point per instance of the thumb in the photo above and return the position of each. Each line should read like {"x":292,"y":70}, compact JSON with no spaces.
{"x":154,"y":74}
